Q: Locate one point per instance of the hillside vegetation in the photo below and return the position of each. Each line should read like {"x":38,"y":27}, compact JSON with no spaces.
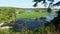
{"x":10,"y":14}
{"x":7,"y":14}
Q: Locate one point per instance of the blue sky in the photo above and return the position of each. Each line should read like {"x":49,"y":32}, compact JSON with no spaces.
{"x":20,"y":3}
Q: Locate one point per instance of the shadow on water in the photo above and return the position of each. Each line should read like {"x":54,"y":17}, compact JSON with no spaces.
{"x":32,"y":24}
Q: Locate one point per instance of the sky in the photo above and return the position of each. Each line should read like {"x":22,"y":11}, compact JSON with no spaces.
{"x":22,"y":3}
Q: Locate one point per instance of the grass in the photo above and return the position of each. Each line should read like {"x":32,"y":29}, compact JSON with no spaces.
{"x":31,"y":15}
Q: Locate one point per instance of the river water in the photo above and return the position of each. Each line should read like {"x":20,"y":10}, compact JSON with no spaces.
{"x":33,"y":24}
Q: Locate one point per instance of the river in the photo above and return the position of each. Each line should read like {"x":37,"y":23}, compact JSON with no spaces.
{"x":33,"y":24}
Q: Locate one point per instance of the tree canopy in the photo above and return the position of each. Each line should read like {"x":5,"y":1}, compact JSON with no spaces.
{"x":7,"y":14}
{"x":45,"y":2}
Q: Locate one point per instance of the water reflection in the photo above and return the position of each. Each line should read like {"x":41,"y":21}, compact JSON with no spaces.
{"x":33,"y":24}
{"x":28,"y":11}
{"x":50,"y":16}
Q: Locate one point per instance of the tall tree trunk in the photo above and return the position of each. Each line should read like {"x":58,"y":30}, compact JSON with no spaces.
{"x":49,"y":8}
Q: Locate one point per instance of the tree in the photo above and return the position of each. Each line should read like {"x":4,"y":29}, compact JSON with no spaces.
{"x":57,"y":4}
{"x":56,"y":20}
{"x":21,"y":11}
{"x":45,"y":3}
{"x":7,"y":15}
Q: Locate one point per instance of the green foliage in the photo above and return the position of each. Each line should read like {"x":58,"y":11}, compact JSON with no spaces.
{"x":33,"y":14}
{"x":7,"y":31}
{"x":49,"y":10}
{"x":41,"y":30}
{"x":7,"y":14}
{"x":21,"y":11}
